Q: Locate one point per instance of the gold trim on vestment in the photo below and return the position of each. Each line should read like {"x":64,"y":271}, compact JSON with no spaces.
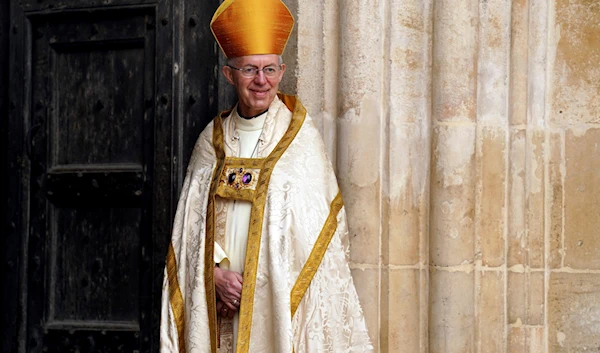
{"x":316,"y":255}
{"x":175,"y":297}
{"x":258,"y":199}
{"x":209,"y":246}
{"x":256,"y":223}
{"x":231,"y":192}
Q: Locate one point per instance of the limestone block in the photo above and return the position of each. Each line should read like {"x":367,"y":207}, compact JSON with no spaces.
{"x":367,"y":287}
{"x":362,"y":207}
{"x":409,"y":35}
{"x":535,"y":299}
{"x":407,"y":197}
{"x":535,"y":198}
{"x":451,"y":320}
{"x":537,"y":66}
{"x":516,"y":298}
{"x":454,"y":85}
{"x":361,"y":67}
{"x":526,"y":339}
{"x":517,"y":240}
{"x":359,"y":178}
{"x":317,"y":64}
{"x":491,"y":197}
{"x":574,"y":312}
{"x":518,"y":61}
{"x":309,"y":53}
{"x":452,"y":195}
{"x":492,"y":75}
{"x":359,"y":125}
{"x":576,"y":74}
{"x":526,"y":198}
{"x":525,"y":298}
{"x":404,"y":310}
{"x":556,"y":168}
{"x":490,"y":326}
{"x":582,"y":199}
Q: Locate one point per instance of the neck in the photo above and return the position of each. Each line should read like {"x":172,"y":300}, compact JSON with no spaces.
{"x":250,"y":117}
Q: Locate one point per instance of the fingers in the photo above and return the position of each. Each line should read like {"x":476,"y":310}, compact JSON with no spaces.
{"x":238,"y":277}
{"x":228,"y":285}
{"x":224,"y":311}
{"x":233,"y":305}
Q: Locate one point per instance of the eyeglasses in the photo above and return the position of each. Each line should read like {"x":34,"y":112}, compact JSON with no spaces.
{"x":251,"y":71}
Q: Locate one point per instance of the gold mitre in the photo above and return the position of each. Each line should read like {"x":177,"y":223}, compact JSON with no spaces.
{"x":250,"y":27}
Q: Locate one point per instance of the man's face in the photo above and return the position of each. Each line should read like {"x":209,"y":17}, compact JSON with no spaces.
{"x":256,"y":93}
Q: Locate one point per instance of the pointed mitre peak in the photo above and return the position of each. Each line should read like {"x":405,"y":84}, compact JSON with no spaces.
{"x":250,"y":27}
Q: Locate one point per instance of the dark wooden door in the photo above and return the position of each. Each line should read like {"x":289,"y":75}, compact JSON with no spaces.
{"x":106,"y":99}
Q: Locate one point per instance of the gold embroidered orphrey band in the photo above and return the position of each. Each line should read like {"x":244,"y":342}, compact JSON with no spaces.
{"x":175,"y":296}
{"x":256,"y":220}
{"x":316,"y":254}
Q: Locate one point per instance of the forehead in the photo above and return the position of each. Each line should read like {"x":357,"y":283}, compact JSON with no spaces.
{"x":257,"y":60}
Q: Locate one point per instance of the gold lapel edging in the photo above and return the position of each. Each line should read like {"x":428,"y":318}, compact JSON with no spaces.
{"x":256,"y":223}
{"x":175,"y":297}
{"x":316,"y":255}
{"x":209,"y":246}
{"x":255,"y":229}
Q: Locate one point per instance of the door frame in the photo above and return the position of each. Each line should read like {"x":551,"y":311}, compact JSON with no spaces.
{"x":7,"y":256}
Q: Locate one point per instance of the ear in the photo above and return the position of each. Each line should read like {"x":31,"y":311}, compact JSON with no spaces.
{"x":282,"y":71}
{"x":228,"y":73}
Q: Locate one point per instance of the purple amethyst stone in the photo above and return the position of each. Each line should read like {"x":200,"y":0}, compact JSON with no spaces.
{"x":231,"y":178}
{"x":247,"y":178}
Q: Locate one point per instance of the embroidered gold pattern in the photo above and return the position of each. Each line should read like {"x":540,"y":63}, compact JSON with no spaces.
{"x":209,"y":246}
{"x":239,"y":167}
{"x":175,"y":297}
{"x":258,"y":197}
{"x":256,"y":220}
{"x":239,"y":178}
{"x":316,"y":255}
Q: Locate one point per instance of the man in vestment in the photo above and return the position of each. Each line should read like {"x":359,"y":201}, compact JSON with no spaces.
{"x":258,"y":259}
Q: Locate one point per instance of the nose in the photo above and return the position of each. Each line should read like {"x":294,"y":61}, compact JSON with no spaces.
{"x":260,"y":78}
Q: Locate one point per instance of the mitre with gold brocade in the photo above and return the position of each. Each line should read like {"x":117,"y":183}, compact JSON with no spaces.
{"x":251,"y":27}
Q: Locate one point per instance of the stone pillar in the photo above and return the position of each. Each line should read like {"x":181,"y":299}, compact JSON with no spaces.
{"x":525,"y":295}
{"x":466,"y":138}
{"x":406,"y":154}
{"x":360,"y":139}
{"x":453,"y":183}
{"x":572,"y":206}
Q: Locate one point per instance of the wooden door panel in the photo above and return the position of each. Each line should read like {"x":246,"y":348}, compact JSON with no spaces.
{"x":91,"y":341}
{"x":100,"y":98}
{"x":93,"y":86}
{"x":94,"y":266}
{"x":106,"y":100}
{"x":91,"y":186}
{"x":66,"y":5}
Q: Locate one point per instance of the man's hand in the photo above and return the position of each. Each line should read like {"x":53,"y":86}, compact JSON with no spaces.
{"x":228,"y":285}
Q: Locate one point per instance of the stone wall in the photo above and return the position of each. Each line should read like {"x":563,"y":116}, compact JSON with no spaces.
{"x":466,"y":137}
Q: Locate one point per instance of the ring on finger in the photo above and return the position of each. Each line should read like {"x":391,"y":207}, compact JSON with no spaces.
{"x":235,"y":302}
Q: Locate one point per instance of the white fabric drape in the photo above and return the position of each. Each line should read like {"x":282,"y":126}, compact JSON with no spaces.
{"x":300,"y":192}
